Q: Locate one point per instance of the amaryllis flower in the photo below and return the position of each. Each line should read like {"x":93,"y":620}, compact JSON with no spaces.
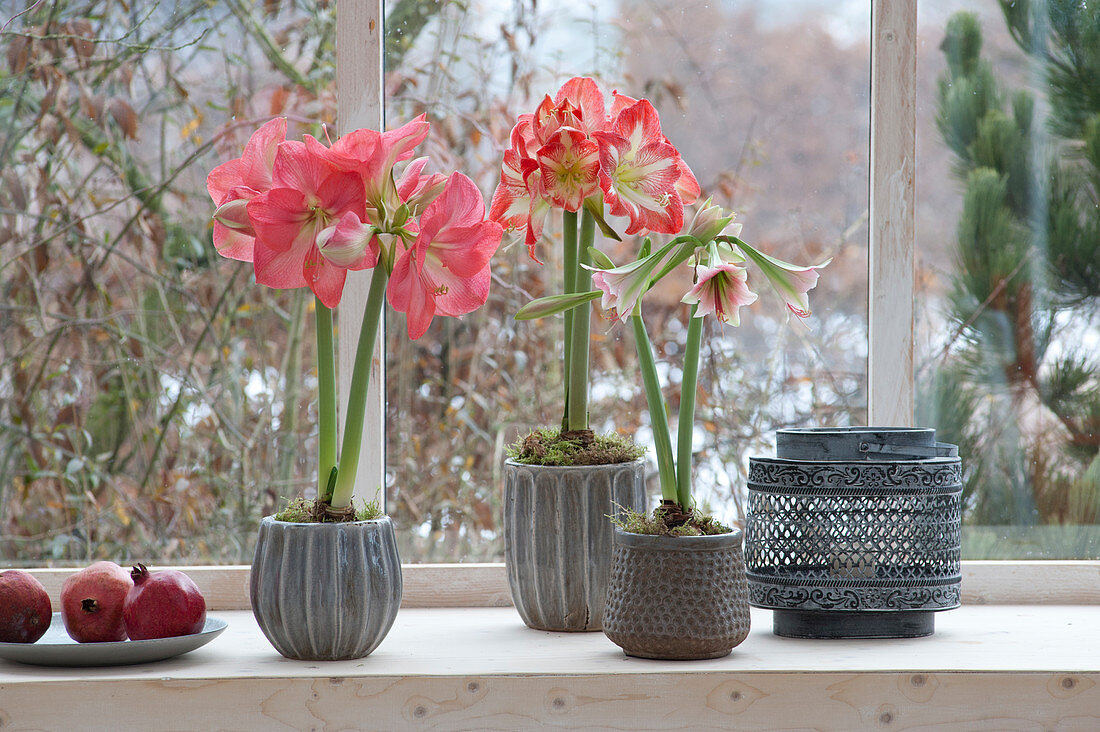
{"x":307,"y":196}
{"x":373,"y":154}
{"x":446,"y":271}
{"x":552,"y":160}
{"x":584,"y":95}
{"x":623,"y":286}
{"x":639,"y":171}
{"x":790,"y":281}
{"x":233,"y":184}
{"x":519,"y":201}
{"x":570,"y":168}
{"x":687,"y":186}
{"x":721,"y":290}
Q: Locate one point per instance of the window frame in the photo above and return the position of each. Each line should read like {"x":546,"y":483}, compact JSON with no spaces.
{"x":891,"y":276}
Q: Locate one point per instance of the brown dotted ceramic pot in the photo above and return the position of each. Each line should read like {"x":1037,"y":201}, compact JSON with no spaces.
{"x":677,"y":597}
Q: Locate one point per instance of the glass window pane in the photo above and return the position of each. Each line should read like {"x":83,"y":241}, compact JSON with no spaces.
{"x":1008,"y":235}
{"x":768,"y":102}
{"x":154,"y":402}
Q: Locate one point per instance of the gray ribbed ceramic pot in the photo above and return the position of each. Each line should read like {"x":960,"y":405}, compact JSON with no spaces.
{"x":558,"y":539}
{"x":677,"y":597}
{"x":325,"y":592}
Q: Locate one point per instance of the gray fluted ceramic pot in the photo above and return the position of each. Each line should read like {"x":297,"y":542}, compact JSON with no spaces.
{"x":325,"y":592}
{"x":677,"y":597}
{"x":558,"y":539}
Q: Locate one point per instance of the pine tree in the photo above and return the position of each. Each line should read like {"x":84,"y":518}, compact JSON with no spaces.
{"x":1020,"y":390}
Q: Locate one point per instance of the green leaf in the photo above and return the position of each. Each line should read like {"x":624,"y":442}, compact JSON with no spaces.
{"x":546,"y":306}
{"x":597,"y":215}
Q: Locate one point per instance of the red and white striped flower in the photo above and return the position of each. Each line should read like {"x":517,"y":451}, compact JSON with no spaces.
{"x":639,"y":171}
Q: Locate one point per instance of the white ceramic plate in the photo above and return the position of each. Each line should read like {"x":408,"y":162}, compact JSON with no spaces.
{"x":56,"y":648}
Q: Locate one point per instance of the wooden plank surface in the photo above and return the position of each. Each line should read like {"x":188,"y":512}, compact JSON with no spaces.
{"x":986,"y":668}
{"x":841,"y":701}
{"x":494,"y":641}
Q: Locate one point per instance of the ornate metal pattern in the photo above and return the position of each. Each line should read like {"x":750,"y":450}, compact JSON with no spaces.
{"x":854,"y":535}
{"x":781,"y":476}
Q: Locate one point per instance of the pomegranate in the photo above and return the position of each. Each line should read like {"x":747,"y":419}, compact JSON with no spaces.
{"x":91,"y":603}
{"x":25,"y":610}
{"x":163,"y":604}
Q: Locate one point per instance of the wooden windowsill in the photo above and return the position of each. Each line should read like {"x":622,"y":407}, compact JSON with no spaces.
{"x":991,"y":667}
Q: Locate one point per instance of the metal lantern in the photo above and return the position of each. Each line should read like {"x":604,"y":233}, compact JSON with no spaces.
{"x":854,"y":532}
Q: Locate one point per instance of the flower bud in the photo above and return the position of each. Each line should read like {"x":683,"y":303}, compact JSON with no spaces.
{"x":347,"y":244}
{"x":233,"y":215}
{"x":709,"y":223}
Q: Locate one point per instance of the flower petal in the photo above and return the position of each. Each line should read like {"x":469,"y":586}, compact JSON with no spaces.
{"x":461,"y":295}
{"x":584,"y":94}
{"x":454,"y":234}
{"x":407,"y":294}
{"x":687,"y":186}
{"x":511,"y":204}
{"x":326,"y":281}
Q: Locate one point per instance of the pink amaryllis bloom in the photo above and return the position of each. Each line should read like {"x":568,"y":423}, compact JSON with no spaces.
{"x":791,"y":281}
{"x":233,"y":184}
{"x":372,"y":155}
{"x":721,"y":290}
{"x":446,"y":270}
{"x":623,"y":287}
{"x":640,"y":170}
{"x":307,"y":196}
{"x":686,"y":185}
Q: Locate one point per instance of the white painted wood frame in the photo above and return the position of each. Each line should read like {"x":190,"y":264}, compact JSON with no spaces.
{"x":890,"y":387}
{"x":1043,"y":582}
{"x":359,"y":84}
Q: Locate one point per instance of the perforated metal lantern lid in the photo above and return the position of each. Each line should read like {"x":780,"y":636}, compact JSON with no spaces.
{"x":854,"y":531}
{"x":861,"y":443}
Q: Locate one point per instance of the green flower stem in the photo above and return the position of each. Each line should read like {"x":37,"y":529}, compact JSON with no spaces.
{"x":326,"y":404}
{"x":658,"y":412}
{"x":569,"y":268}
{"x":360,"y":379}
{"x":686,"y":423}
{"x":577,"y":399}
